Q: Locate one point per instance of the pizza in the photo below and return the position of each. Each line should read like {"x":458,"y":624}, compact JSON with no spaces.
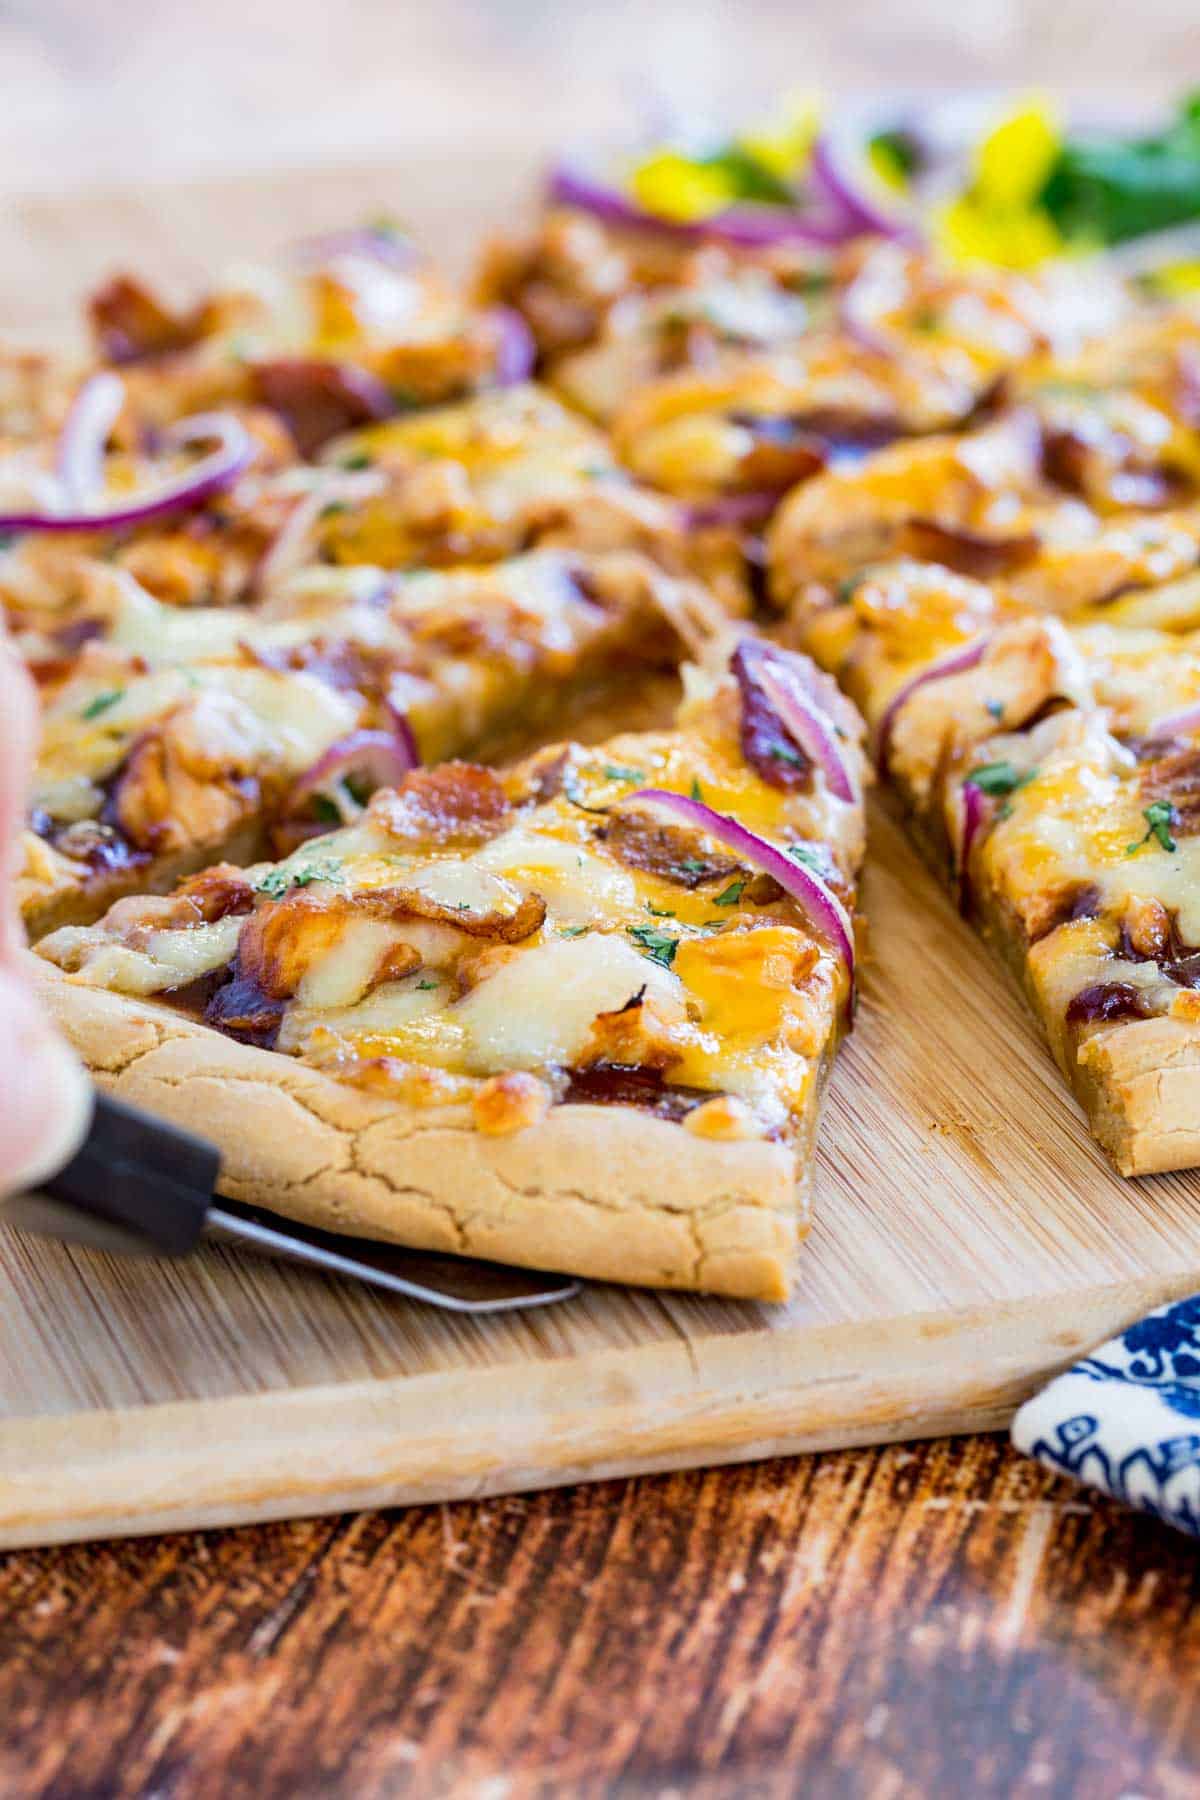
{"x":174,"y":736}
{"x":575,"y":1014}
{"x":370,"y":834}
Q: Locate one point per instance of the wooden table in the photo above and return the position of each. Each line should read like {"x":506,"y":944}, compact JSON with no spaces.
{"x":911,"y":1621}
{"x":922,"y":1621}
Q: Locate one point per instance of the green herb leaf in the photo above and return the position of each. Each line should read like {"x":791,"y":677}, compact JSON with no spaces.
{"x":657,"y":945}
{"x":999,"y":778}
{"x":807,"y":858}
{"x":697,"y":790}
{"x":617,"y":772}
{"x":731,"y":895}
{"x":357,"y":460}
{"x":101,"y":703}
{"x":660,"y":912}
{"x":423,"y":987}
{"x":785,"y":754}
{"x":326,"y":809}
{"x":280,"y":880}
{"x":692,"y":865}
{"x":1159,"y":817}
{"x":571,"y":930}
{"x":995,"y":709}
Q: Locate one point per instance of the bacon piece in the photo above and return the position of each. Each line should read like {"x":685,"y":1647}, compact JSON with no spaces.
{"x":318,"y":400}
{"x":642,"y":841}
{"x":132,"y":325}
{"x":1176,"y":778}
{"x":967,"y":552}
{"x":411,"y":903}
{"x":634,"y":1036}
{"x":454,"y":801}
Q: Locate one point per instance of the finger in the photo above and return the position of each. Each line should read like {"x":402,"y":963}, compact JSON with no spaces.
{"x":45,"y":1097}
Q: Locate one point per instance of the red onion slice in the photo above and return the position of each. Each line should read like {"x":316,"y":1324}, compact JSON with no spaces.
{"x":1176,"y":724}
{"x":290,"y":548}
{"x":80,"y":456}
{"x":211,"y":475}
{"x":866,"y":216}
{"x":780,"y":678}
{"x":516,"y":351}
{"x":974,"y":817}
{"x":954,"y":662}
{"x":383,"y":758}
{"x":809,"y":727}
{"x":745,"y":225}
{"x":821,"y":907}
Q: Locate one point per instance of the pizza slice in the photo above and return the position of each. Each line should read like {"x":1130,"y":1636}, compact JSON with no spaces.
{"x":1052,"y":773}
{"x":175,"y":736}
{"x":576,"y":1015}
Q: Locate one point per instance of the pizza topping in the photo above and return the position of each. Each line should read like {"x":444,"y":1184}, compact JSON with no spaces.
{"x":786,"y":731}
{"x":1171,"y":786}
{"x":319,"y":399}
{"x":604,"y":1085}
{"x":820,"y":905}
{"x":1106,"y":1003}
{"x":338,"y":782}
{"x":242,"y":1010}
{"x":455,"y":801}
{"x":642,"y":839}
{"x":509,"y":1102}
{"x":967,"y":552}
{"x":132,"y":325}
{"x":1159,"y":817}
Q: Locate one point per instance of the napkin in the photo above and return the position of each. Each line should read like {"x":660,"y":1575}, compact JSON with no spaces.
{"x":1126,"y":1419}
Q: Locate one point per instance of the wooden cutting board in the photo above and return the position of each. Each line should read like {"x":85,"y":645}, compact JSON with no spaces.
{"x":968,"y":1237}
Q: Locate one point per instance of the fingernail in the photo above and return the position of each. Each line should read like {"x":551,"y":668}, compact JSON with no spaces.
{"x":45,"y":1096}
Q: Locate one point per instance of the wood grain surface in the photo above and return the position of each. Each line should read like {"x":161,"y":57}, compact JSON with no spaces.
{"x":968,"y":1240}
{"x":921,"y":1622}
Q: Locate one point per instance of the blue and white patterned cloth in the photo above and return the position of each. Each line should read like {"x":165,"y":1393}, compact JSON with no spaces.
{"x":1126,"y":1419}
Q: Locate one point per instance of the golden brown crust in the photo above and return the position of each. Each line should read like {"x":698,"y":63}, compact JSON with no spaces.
{"x":605,"y":1192}
{"x":1140,"y":1086}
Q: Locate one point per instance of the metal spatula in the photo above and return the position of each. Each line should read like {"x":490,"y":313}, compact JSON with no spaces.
{"x":142,"y":1187}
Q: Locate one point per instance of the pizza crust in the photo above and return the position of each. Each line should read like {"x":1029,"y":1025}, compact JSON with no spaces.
{"x":1140,"y":1086}
{"x":605,"y":1192}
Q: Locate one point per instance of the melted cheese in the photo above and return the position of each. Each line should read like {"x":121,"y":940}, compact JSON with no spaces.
{"x":537,"y":1011}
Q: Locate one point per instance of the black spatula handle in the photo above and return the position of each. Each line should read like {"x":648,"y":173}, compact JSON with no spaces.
{"x":142,"y":1174}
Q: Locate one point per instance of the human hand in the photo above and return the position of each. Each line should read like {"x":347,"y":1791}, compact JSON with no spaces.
{"x":45,"y":1097}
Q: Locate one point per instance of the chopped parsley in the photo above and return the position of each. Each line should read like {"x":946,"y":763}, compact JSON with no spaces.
{"x":807,"y":858}
{"x":332,"y":509}
{"x":326,"y":809}
{"x":785,"y":754}
{"x":618,"y":772}
{"x":101,"y":703}
{"x":571,"y":930}
{"x":659,"y":912}
{"x":1159,"y":817}
{"x":697,"y":790}
{"x":358,"y":459}
{"x":731,"y":895}
{"x":659,"y":946}
{"x":998,"y":778}
{"x":693,"y":865}
{"x":995,"y":708}
{"x":279,"y":881}
{"x":423,"y":987}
